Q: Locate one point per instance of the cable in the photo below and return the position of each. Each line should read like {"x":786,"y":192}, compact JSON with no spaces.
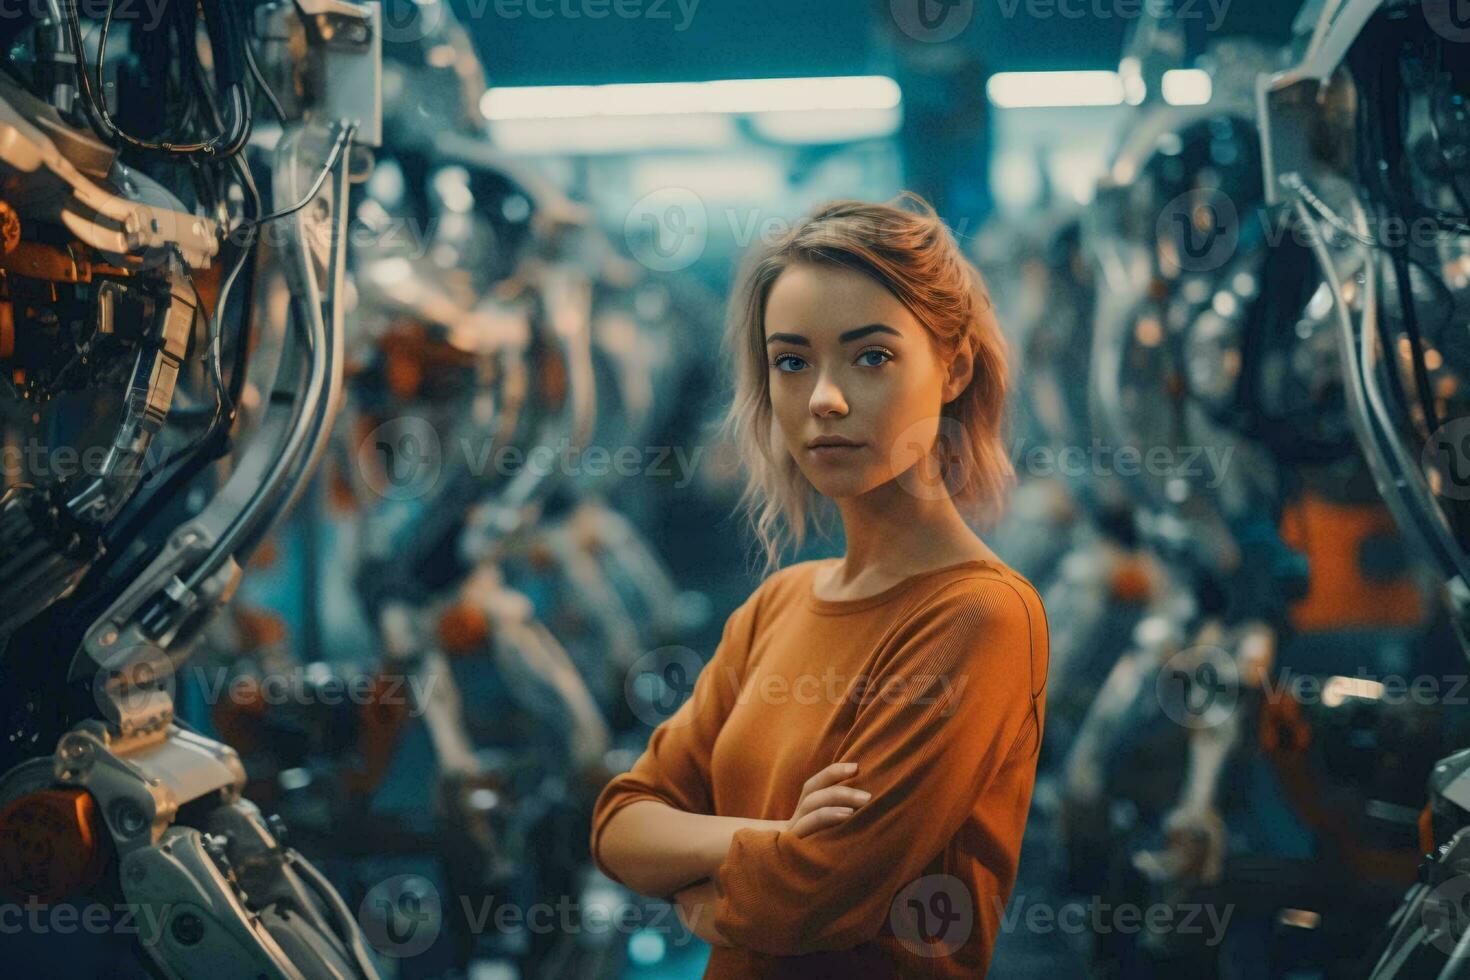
{"x":263,"y":85}
{"x":228,"y":396}
{"x":346,"y":924}
{"x":334,"y":332}
{"x":316,"y":330}
{"x":1295,"y":183}
{"x":102,"y":118}
{"x":1381,"y":160}
{"x":321,"y":178}
{"x":215,"y":343}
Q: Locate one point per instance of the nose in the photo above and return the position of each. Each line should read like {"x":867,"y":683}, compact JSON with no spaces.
{"x":827,"y":399}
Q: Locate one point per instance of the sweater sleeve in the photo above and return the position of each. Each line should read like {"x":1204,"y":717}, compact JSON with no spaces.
{"x":675,"y":767}
{"x":953,"y":695}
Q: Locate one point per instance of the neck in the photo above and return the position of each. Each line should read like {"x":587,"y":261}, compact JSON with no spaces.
{"x":891,"y":531}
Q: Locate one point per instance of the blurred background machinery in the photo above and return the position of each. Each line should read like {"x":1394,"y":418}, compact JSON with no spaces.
{"x":363,"y":512}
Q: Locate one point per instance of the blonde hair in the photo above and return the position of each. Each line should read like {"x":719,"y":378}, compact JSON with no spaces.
{"x":914,"y":256}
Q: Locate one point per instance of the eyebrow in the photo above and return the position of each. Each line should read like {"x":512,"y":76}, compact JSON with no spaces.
{"x":854,"y":334}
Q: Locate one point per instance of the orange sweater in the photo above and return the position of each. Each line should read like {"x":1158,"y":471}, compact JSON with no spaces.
{"x":936,"y":687}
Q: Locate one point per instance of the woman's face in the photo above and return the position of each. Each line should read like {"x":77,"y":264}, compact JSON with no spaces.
{"x":846,"y":359}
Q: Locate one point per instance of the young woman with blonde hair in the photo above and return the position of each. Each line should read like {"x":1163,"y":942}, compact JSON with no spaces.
{"x":846,"y":788}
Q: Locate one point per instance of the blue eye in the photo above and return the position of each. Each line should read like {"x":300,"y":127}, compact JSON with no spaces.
{"x":784,"y":359}
{"x":875,"y":351}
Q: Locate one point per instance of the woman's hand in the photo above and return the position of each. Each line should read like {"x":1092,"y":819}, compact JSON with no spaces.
{"x":696,"y":906}
{"x":823,"y":803}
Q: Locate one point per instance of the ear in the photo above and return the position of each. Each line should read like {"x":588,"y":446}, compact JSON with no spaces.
{"x":960,"y":369}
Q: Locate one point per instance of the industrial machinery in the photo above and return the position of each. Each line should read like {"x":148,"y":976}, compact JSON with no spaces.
{"x":174,"y":319}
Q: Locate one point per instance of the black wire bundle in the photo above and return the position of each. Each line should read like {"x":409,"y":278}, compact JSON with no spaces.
{"x":226,"y":30}
{"x":210,"y":145}
{"x":1383,"y":162}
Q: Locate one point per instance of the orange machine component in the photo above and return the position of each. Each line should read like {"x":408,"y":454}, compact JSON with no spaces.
{"x":259,"y":628}
{"x":1339,"y":596}
{"x":207,"y":282}
{"x":7,"y":329}
{"x":1283,"y":730}
{"x":52,"y":263}
{"x":9,"y":227}
{"x":382,"y":720}
{"x":53,"y":845}
{"x":265,"y":554}
{"x":1285,"y":736}
{"x":237,"y":715}
{"x":415,"y":361}
{"x":551,"y":377}
{"x":463,"y":629}
{"x":1130,"y":580}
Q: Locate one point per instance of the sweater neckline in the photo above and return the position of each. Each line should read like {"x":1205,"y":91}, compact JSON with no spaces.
{"x":838,"y":606}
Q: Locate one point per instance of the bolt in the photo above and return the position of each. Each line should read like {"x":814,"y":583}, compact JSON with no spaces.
{"x":77,"y":749}
{"x":128,"y":817}
{"x":109,"y":638}
{"x":188,"y":929}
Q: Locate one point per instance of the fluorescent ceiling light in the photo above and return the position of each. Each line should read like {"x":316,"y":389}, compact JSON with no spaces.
{"x":1040,"y":89}
{"x":601,"y":135}
{"x":734,"y":96}
{"x":1070,"y":89}
{"x":1187,"y":86}
{"x":840,"y":126}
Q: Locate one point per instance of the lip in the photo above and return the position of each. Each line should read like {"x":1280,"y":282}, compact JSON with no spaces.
{"x":833,"y":450}
{"x":832,"y":442}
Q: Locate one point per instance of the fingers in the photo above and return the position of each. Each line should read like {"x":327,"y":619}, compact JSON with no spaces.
{"x":823,"y":803}
{"x":834,"y":773}
{"x":827,"y":816}
{"x":849,"y":796}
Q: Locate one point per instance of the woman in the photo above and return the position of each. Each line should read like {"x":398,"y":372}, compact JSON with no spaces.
{"x":846,"y":788}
